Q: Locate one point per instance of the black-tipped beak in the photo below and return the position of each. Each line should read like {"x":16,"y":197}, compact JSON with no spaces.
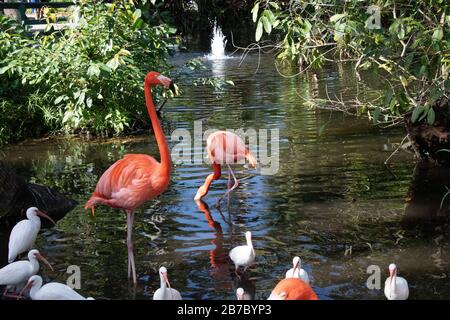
{"x":172,"y":87}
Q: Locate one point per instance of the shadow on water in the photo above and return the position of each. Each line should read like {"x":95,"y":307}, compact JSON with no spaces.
{"x":332,"y":200}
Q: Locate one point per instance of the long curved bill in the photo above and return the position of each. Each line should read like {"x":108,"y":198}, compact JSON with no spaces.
{"x":28,"y":286}
{"x":166,"y":278}
{"x":41,"y":257}
{"x":44,"y":215}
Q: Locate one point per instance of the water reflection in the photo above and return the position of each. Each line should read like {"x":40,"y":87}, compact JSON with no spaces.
{"x":332,"y":192}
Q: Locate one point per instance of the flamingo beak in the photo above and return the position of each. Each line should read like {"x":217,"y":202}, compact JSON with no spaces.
{"x":28,"y":286}
{"x":167,"y":83}
{"x":41,"y":257}
{"x":44,"y":215}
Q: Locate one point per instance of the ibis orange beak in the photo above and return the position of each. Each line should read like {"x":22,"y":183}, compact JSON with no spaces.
{"x":41,"y":257}
{"x":28,"y":286}
{"x":44,"y":215}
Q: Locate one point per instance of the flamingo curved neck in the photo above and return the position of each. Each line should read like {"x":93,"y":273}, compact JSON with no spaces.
{"x":159,"y":134}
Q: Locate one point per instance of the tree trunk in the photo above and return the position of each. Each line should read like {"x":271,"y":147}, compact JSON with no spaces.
{"x":431,"y":143}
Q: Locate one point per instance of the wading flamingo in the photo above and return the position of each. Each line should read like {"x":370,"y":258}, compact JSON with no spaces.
{"x":395,"y":288}
{"x":24,"y":233}
{"x":136,"y":178}
{"x":297,"y":271}
{"x":243,"y":256}
{"x":224,"y":147}
{"x":51,"y":291}
{"x":165,"y":292}
{"x":16,"y":274}
{"x":292,"y":289}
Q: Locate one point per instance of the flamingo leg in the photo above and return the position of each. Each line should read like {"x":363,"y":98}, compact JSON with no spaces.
{"x":131,"y":265}
{"x":236,"y":183}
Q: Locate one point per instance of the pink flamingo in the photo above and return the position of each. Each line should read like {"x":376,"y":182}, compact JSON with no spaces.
{"x":136,"y":178}
{"x":224,"y":147}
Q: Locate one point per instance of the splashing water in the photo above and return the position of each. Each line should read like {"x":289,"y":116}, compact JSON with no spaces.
{"x":218,"y":44}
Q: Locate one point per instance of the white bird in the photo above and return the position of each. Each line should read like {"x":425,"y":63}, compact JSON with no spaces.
{"x":395,"y":288}
{"x":24,"y":233}
{"x":240,"y":294}
{"x":51,"y":291}
{"x":165,"y":292}
{"x":297,"y":271}
{"x":16,"y":274}
{"x":243,"y":256}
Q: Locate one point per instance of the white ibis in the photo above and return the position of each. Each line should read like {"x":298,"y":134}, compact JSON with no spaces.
{"x":17,"y":273}
{"x":51,"y":291}
{"x":24,"y":233}
{"x":243,"y":256}
{"x":297,"y":271}
{"x":240,"y":294}
{"x":395,"y":288}
{"x":165,"y":292}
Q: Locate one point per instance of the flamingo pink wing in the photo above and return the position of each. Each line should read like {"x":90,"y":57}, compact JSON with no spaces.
{"x":131,"y":181}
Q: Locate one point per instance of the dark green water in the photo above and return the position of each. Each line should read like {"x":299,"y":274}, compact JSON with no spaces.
{"x":332,"y":192}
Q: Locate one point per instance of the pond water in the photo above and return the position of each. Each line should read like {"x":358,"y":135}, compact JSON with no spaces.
{"x":332,"y":201}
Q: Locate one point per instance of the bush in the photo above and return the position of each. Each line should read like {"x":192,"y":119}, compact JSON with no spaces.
{"x":410,"y":44}
{"x":88,"y":79}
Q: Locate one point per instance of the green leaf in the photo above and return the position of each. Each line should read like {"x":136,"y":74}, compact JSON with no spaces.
{"x":431,"y":116}
{"x":376,"y":115}
{"x":274,"y":4}
{"x":138,"y":23}
{"x":59,"y":99}
{"x":438,"y":34}
{"x":137,"y":14}
{"x":416,"y":113}
{"x":104,"y":67}
{"x":255,"y":12}
{"x":267,"y":24}
{"x":4,"y":69}
{"x":259,"y":31}
{"x":337,"y":17}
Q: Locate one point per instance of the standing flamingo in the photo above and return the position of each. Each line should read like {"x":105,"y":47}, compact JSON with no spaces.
{"x":136,"y":178}
{"x":292,"y":289}
{"x":224,"y":147}
{"x":395,"y":288}
{"x":297,"y":271}
{"x":16,"y":274}
{"x":24,"y":233}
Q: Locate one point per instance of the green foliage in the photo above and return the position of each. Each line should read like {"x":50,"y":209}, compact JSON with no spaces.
{"x":411,"y":44}
{"x":88,"y":79}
